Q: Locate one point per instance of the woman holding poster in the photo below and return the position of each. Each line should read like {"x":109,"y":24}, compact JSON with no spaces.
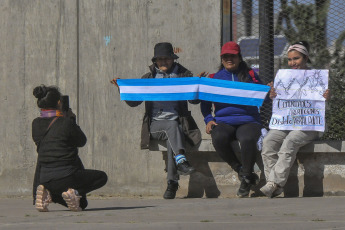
{"x":281,"y":146}
{"x":235,"y":122}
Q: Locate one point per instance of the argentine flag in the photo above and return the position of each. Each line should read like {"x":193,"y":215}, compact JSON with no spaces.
{"x":192,"y":88}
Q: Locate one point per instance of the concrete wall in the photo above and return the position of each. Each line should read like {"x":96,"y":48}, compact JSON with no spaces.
{"x":38,"y":46}
{"x":80,"y":45}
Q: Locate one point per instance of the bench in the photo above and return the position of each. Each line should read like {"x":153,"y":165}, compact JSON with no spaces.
{"x":327,"y":146}
{"x":318,"y":171}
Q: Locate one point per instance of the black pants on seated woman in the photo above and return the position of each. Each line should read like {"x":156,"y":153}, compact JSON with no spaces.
{"x":228,"y":122}
{"x":247,"y":135}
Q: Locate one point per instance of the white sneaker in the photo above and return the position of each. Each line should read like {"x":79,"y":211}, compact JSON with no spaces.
{"x":269,"y":189}
{"x":72,"y":199}
{"x":43,"y":199}
{"x":278,"y":191}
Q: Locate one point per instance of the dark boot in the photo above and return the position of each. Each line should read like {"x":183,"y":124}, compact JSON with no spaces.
{"x":170,"y":193}
{"x":185,"y":168}
{"x":246,"y":183}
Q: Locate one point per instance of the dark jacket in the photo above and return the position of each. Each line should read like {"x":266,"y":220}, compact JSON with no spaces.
{"x":230,"y":113}
{"x":60,"y":144}
{"x":190,"y":129}
{"x":57,"y":147}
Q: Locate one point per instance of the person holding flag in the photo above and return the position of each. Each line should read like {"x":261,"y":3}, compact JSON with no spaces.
{"x":168,"y":120}
{"x":234,"y":121}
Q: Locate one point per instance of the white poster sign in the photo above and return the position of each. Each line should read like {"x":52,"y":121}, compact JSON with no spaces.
{"x":299,"y":104}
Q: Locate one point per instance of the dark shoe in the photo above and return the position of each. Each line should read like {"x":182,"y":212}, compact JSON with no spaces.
{"x":244,"y":189}
{"x":170,"y":193}
{"x":185,"y":168}
{"x":246,"y":183}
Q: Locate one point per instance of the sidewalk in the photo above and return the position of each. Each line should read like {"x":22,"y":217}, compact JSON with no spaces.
{"x":149,"y":213}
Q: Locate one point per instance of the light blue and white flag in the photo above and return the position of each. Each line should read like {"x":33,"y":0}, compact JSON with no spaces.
{"x":232,"y":92}
{"x":159,"y":89}
{"x":192,"y":88}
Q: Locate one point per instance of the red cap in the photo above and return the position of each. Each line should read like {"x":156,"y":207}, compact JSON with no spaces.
{"x":230,"y":48}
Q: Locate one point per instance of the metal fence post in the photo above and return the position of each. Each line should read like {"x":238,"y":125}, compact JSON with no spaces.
{"x":266,"y":45}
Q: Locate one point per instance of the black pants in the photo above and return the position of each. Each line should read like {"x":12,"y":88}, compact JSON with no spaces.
{"x":84,"y":181}
{"x":247,"y":134}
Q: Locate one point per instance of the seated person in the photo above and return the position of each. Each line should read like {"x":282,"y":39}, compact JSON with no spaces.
{"x":280,"y":147}
{"x":161,"y":119}
{"x":235,"y":122}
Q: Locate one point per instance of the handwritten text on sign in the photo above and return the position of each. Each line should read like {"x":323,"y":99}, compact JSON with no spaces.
{"x":302,"y":111}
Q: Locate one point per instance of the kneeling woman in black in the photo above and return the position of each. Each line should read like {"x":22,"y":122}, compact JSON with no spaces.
{"x":60,"y":176}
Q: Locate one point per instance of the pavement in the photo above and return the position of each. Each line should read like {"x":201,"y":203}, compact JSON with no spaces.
{"x":180,"y":213}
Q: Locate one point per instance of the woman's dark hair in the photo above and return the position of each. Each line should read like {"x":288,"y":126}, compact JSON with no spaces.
{"x":303,"y":43}
{"x":47,"y":96}
{"x":242,"y":71}
{"x":306,"y":45}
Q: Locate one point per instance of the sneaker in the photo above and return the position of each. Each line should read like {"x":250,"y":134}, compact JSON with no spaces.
{"x":43,"y":199}
{"x":271,"y":189}
{"x":278,"y":191}
{"x":170,"y":193}
{"x":72,"y":199}
{"x":245,"y":186}
{"x":185,"y":168}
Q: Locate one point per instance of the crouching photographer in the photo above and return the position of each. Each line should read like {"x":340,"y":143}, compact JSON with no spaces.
{"x":60,"y":176}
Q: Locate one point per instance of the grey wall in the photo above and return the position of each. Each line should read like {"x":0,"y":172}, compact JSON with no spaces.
{"x":38,"y":46}
{"x":62,"y":42}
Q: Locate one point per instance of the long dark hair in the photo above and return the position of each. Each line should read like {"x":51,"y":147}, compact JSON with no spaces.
{"x":47,"y":96}
{"x":242,"y":71}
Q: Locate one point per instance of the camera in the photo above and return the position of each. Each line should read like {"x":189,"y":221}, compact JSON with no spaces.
{"x":65,"y":103}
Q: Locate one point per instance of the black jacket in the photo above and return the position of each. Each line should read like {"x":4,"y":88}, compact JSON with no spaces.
{"x":58,"y":146}
{"x":190,"y":129}
{"x":61,"y":142}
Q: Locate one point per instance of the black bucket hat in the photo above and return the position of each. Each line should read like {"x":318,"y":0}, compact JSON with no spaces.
{"x":164,"y":49}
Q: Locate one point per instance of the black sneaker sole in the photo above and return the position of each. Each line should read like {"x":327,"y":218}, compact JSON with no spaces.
{"x":242,"y":196}
{"x":169,"y":197}
{"x":185,"y":173}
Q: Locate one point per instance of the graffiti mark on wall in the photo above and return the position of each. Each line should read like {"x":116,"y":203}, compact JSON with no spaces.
{"x":107,"y":40}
